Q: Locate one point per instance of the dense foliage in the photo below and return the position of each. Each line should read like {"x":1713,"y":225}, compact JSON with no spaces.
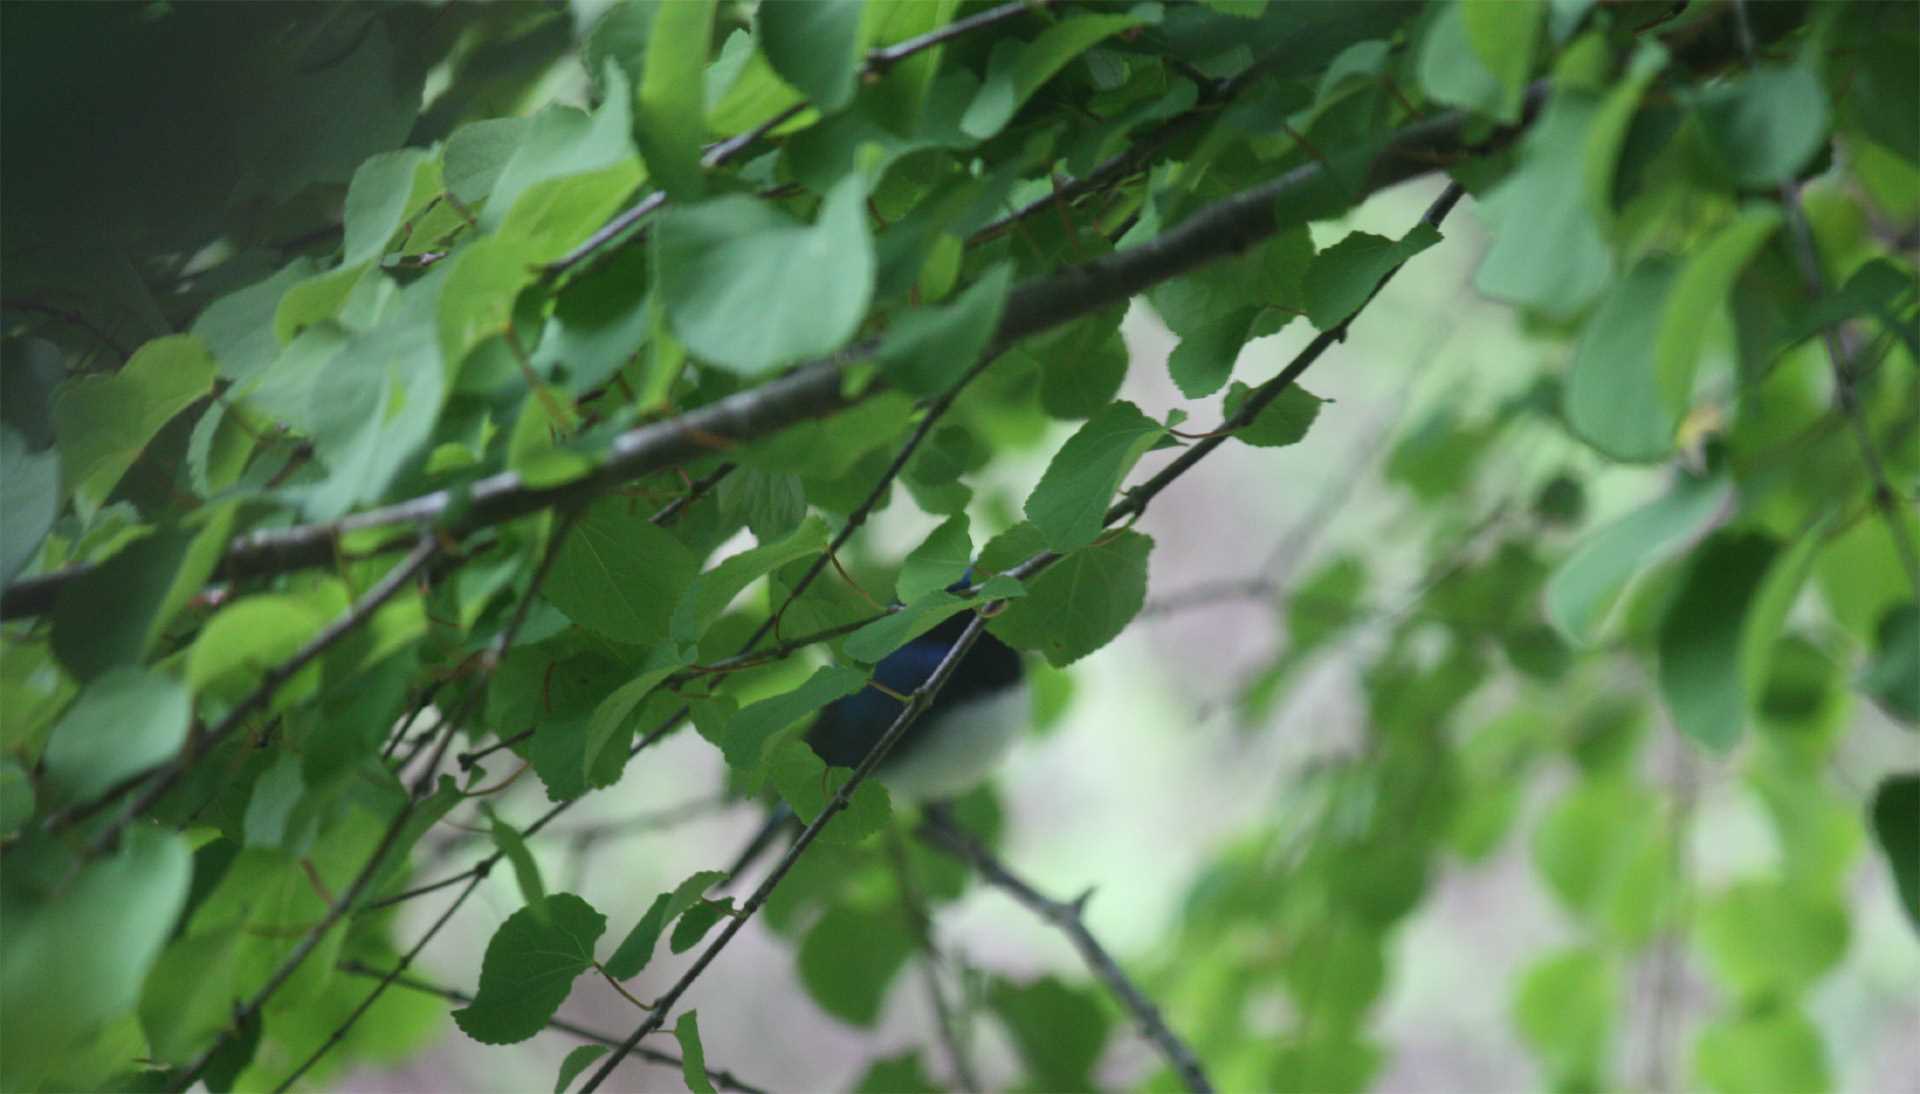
{"x":391,"y":384}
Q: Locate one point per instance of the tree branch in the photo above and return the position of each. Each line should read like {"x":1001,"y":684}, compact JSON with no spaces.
{"x":724,"y":1079}
{"x":815,"y":390}
{"x":939,"y":830}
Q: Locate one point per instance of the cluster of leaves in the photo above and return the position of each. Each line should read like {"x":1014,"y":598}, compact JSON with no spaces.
{"x":396,"y":398}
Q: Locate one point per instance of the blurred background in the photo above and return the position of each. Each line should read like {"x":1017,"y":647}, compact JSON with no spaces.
{"x":1155,"y":768}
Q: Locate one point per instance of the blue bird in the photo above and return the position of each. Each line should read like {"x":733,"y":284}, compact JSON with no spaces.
{"x":949,"y":749}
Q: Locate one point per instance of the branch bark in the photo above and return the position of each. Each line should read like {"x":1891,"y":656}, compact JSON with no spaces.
{"x":815,"y":390}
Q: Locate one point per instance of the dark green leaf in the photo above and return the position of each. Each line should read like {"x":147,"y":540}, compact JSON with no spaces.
{"x":744,"y":738}
{"x":1070,"y":502}
{"x":1342,"y":277}
{"x":381,"y":196}
{"x":940,"y":560}
{"x":710,"y":593}
{"x":850,"y":957}
{"x":103,"y":422}
{"x":30,"y":496}
{"x":530,"y":967}
{"x":673,"y":102}
{"x":1584,"y":588}
{"x":693,"y":1058}
{"x":525,"y":870}
{"x":636,"y":949}
{"x":1080,"y":603}
{"x":1059,"y":1031}
{"x":1765,"y":124}
{"x":807,"y":784}
{"x":1701,"y":674}
{"x":770,"y":503}
{"x":574,"y":1064}
{"x":1896,"y":824}
{"x":115,"y":614}
{"x":619,"y":575}
{"x":1016,"y":69}
{"x":902,"y":1074}
{"x":1282,"y":422}
{"x":695,"y":922}
{"x":1893,"y":676}
{"x":815,"y":47}
{"x":927,"y":349}
{"x":1204,"y":359}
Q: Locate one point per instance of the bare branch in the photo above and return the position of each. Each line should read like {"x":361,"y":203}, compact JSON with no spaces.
{"x":940,"y":830}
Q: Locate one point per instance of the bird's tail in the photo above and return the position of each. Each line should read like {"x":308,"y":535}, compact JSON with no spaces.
{"x":779,"y":817}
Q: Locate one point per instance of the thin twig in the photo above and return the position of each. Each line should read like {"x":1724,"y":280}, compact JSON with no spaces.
{"x":721,"y":1077}
{"x":422,"y":782}
{"x":922,"y":698}
{"x":158,"y":783}
{"x":940,"y":830}
{"x":952,"y":1035}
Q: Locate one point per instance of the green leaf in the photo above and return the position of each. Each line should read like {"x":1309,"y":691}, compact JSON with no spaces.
{"x":695,"y":922}
{"x":815,"y":47}
{"x":636,"y":949}
{"x":247,"y":638}
{"x":1766,"y":612}
{"x":1585,"y":586}
{"x":1701,"y":674}
{"x":709,"y":594}
{"x":1503,"y":34}
{"x":476,"y":155}
{"x":750,"y":289}
{"x":807,"y":784}
{"x":770,"y":503}
{"x":613,"y":715}
{"x":1761,"y":1053}
{"x":744,"y":738}
{"x":902,"y":1074}
{"x":1896,"y":824}
{"x":881,"y":637}
{"x":17,"y":799}
{"x":1548,"y":252}
{"x":1204,"y":359}
{"x":125,"y":721}
{"x":381,"y":196}
{"x":1772,"y":939}
{"x":561,"y":141}
{"x":693,"y":1058}
{"x":618,"y":575}
{"x":238,"y":327}
{"x":525,"y":871}
{"x":1454,"y":69}
{"x":1605,"y":851}
{"x":671,"y":121}
{"x":943,"y":558}
{"x":1081,"y":602}
{"x":529,"y":969}
{"x":103,"y":422}
{"x":1766,"y":123}
{"x":116,"y":614}
{"x":1070,"y":502}
{"x":1058,"y":1031}
{"x":1082,"y":371}
{"x":30,"y":496}
{"x":484,"y":280}
{"x":927,"y":349}
{"x":1613,"y":398}
{"x":1564,"y":1009}
{"x":1893,"y":676}
{"x":848,"y":959}
{"x":1282,"y":422}
{"x":576,"y":1062}
{"x":1017,"y":69}
{"x":1342,"y":277}
{"x":1698,"y":295}
{"x":1269,"y":275}
{"x":73,"y":957}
